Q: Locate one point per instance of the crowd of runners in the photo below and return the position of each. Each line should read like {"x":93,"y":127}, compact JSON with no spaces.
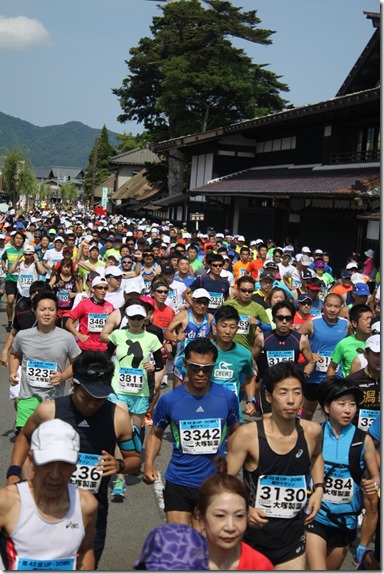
{"x":262,"y":360}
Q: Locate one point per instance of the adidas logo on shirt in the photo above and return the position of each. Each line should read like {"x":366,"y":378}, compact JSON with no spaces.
{"x":83,"y":424}
{"x":200,"y":410}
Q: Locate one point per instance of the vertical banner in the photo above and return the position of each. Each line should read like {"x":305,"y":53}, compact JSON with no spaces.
{"x":104,"y":197}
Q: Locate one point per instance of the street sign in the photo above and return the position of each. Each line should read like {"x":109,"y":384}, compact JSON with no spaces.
{"x":104,"y":197}
{"x":196,"y":216}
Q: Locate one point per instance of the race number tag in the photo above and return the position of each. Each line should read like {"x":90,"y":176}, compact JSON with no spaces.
{"x":243,"y":328}
{"x":324,"y":362}
{"x":200,"y":436}
{"x":39,"y":373}
{"x":38,"y":564}
{"x":25,"y":280}
{"x":338,"y":485}
{"x":173,"y":297}
{"x":281,"y":496}
{"x":274,"y":357}
{"x":87,"y":475}
{"x":230,"y":386}
{"x":216,"y":301}
{"x":366,"y":418}
{"x":63,"y":299}
{"x":96,"y":322}
{"x":130,"y":380}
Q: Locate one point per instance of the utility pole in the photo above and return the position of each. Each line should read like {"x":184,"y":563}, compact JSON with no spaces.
{"x":94,"y":163}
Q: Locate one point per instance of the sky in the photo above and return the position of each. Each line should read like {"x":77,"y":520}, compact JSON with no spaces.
{"x":60,"y":59}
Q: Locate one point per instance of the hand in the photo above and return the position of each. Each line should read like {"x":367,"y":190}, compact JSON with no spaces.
{"x":13,"y":480}
{"x":150,"y":474}
{"x":181,"y":337}
{"x":4,"y":359}
{"x":256,"y":518}
{"x":313,"y":505}
{"x":13,"y":379}
{"x":83,"y":338}
{"x":108,"y":464}
{"x":56,"y":378}
{"x":149,"y":366}
{"x":369,"y":486}
{"x":250,"y":409}
{"x":317,"y":357}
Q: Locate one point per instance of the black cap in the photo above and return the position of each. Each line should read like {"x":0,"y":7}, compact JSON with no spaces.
{"x":306,"y":274}
{"x":332,"y":388}
{"x":265,"y":275}
{"x":167,"y":269}
{"x":304,"y":298}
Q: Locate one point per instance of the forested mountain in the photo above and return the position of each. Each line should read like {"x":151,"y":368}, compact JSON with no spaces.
{"x":61,"y":145}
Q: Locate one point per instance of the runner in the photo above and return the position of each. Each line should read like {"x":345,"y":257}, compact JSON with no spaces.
{"x":43,"y":353}
{"x":186,"y":326}
{"x":200,"y":415}
{"x":324,"y":334}
{"x":217,"y":286}
{"x":100,"y":424}
{"x":280,"y":345}
{"x":276,"y":455}
{"x":34,"y":515}
{"x":347,"y":453}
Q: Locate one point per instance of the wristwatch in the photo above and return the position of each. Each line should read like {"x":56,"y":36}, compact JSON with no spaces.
{"x":121,"y":465}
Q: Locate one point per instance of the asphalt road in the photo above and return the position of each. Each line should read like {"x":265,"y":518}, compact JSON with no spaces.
{"x":130,"y":521}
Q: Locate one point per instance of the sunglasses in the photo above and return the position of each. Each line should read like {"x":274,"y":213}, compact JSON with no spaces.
{"x":246,"y":290}
{"x":284,"y":317}
{"x":137,"y":318}
{"x":201,"y":301}
{"x":101,"y":288}
{"x":161,"y":292}
{"x":216,"y":264}
{"x":196,"y":367}
{"x":126,"y":261}
{"x":304,"y":302}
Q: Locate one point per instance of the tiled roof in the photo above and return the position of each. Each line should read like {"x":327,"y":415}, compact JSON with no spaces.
{"x":134,"y":157}
{"x":109,"y":182}
{"x":137,"y":187}
{"x":292,"y":181}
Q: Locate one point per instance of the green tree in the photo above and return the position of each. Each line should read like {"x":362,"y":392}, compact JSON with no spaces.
{"x":68,"y":193}
{"x":18,"y":178}
{"x":104,"y":150}
{"x":128,"y":142}
{"x":189,"y":77}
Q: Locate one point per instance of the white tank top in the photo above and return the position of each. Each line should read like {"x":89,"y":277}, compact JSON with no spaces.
{"x":38,"y":544}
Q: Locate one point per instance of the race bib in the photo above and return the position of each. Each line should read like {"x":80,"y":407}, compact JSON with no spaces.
{"x":39,"y":373}
{"x":87,"y":475}
{"x":37,"y":564}
{"x":217,"y":300}
{"x":281,"y":496}
{"x":338,"y":486}
{"x":243,"y":328}
{"x":96,"y":322}
{"x":242,"y":271}
{"x":25,"y":280}
{"x":201,"y":436}
{"x":173,"y":297}
{"x":274,"y":357}
{"x":231,"y":386}
{"x":324,"y":362}
{"x":130,"y":380}
{"x":366,"y":418}
{"x":63,"y":299}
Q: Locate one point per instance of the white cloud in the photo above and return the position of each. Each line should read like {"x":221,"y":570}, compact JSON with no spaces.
{"x":21,"y":32}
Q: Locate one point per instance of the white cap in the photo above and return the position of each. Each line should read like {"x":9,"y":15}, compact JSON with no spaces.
{"x":376,"y":325}
{"x":134,"y":310}
{"x":187,"y":235}
{"x":59,"y":238}
{"x":2,"y":236}
{"x":318,"y":252}
{"x":352,"y":265}
{"x":220,"y":235}
{"x":370,"y":253}
{"x":98,"y":280}
{"x":373,"y":343}
{"x":357,"y":278}
{"x":28,"y":249}
{"x":305,"y":249}
{"x":240,"y":238}
{"x":55,"y":440}
{"x":200,"y":293}
{"x":113,"y":270}
{"x":305,"y":260}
